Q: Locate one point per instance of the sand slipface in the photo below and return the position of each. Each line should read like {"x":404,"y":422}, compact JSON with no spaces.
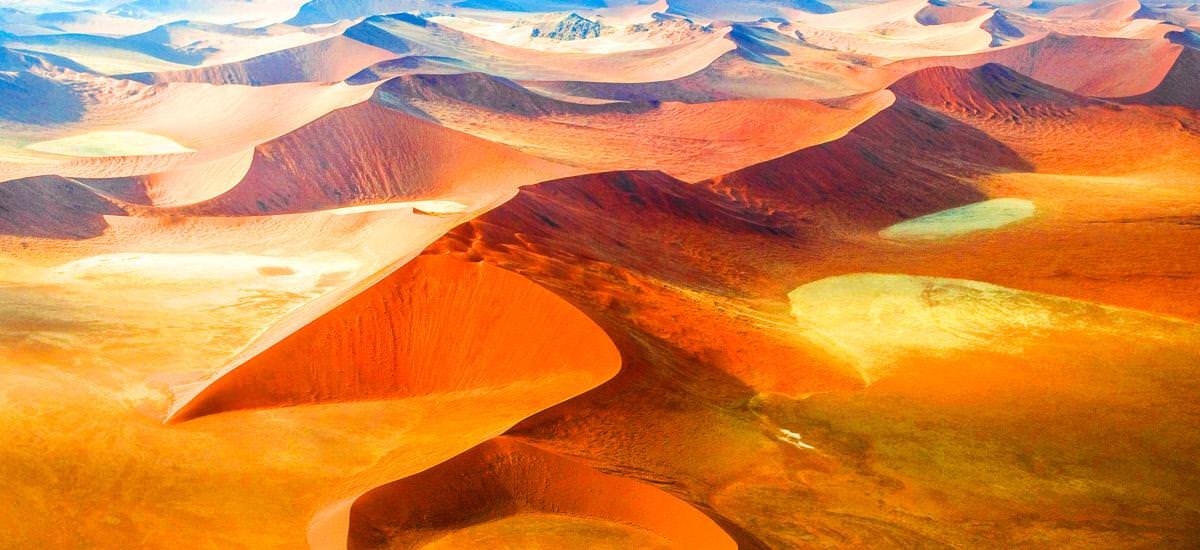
{"x":438,"y":325}
{"x":506,"y":478}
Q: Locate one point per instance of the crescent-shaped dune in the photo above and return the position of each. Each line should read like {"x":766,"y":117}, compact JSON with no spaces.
{"x":507,"y":479}
{"x":437,"y":325}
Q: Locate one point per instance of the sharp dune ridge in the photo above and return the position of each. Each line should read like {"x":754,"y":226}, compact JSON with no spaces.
{"x":603,"y":274}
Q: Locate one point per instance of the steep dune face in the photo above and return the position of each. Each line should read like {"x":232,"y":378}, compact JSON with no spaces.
{"x":367,"y":154}
{"x":421,"y":331}
{"x":904,"y":161}
{"x":1088,"y":65}
{"x":992,"y":90}
{"x":179,"y":187}
{"x":505,"y":478}
{"x":1179,"y":85}
{"x":689,"y":141}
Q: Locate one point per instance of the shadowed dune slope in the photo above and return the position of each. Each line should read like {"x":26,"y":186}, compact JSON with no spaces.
{"x":904,"y":162}
{"x":490,"y":92}
{"x":52,"y":207}
{"x":1180,"y":86}
{"x":505,"y":477}
{"x":368,"y":153}
{"x":437,"y":325}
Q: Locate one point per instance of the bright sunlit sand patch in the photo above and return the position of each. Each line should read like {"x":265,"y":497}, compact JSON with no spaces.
{"x":201,"y":267}
{"x":875,"y":319}
{"x":980,"y":216}
{"x":794,"y":439}
{"x":430,"y":207}
{"x":116,"y":143}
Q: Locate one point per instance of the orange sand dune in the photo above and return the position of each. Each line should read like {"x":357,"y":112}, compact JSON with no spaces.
{"x":505,"y":477}
{"x":827,"y":460}
{"x":689,"y":141}
{"x":411,"y":335}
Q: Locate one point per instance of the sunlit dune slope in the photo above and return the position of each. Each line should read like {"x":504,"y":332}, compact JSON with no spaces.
{"x":507,"y":480}
{"x":689,"y":141}
{"x":420,"y":331}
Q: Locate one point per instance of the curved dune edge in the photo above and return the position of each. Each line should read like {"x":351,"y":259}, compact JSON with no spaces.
{"x":503,"y":478}
{"x":436,"y":325}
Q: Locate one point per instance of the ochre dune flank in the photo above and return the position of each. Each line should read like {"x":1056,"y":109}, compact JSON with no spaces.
{"x":505,"y":477}
{"x":437,"y":325}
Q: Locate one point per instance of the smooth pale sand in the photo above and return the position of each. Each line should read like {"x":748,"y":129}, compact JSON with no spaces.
{"x":874,"y":319}
{"x":980,"y":216}
{"x":111,"y":143}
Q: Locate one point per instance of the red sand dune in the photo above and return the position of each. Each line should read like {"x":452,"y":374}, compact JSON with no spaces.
{"x":689,"y":141}
{"x":1088,"y":65}
{"x":504,"y":477}
{"x":903,"y":162}
{"x":991,"y":90}
{"x":1180,"y":86}
{"x":366,"y":154}
{"x":437,"y":325}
